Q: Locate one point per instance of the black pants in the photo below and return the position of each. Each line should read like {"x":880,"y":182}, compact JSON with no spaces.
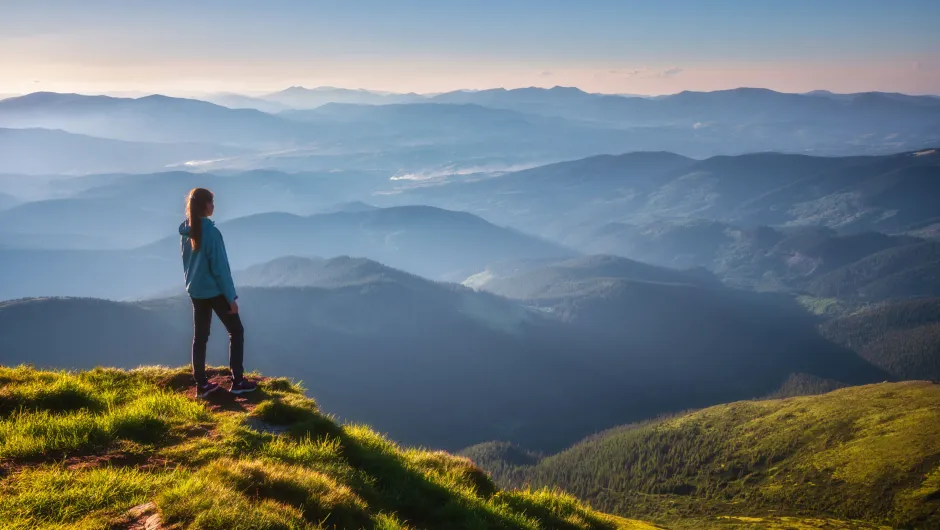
{"x":202,"y":320}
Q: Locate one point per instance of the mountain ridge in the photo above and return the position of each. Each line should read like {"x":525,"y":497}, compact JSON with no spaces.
{"x":49,"y":151}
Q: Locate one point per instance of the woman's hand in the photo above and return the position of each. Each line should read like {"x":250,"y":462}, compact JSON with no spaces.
{"x":233,"y":307}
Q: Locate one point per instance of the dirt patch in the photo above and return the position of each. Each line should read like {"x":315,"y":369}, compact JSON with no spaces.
{"x":143,"y":462}
{"x":183,"y":381}
{"x":139,"y":461}
{"x":223,"y":401}
{"x":220,"y":400}
{"x":261,"y":426}
{"x":141,"y":517}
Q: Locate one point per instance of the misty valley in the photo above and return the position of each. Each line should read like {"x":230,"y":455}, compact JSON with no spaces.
{"x":702,"y":310}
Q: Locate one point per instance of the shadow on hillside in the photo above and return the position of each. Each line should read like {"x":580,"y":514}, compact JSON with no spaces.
{"x":393,"y":483}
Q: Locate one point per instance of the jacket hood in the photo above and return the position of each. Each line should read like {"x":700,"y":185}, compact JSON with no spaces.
{"x":184,"y":226}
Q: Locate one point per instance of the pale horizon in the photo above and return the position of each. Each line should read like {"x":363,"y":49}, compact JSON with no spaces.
{"x":192,"y":94}
{"x":646,"y":82}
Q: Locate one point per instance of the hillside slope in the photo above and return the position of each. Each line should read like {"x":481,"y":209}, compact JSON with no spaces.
{"x":870,"y":453}
{"x":903,"y":271}
{"x":903,"y":338}
{"x":124,"y":449}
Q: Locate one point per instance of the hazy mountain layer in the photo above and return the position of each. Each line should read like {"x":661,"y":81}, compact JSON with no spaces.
{"x":353,"y":129}
{"x":472,"y":366}
{"x":43,"y":151}
{"x":422,"y":240}
{"x":887,"y":193}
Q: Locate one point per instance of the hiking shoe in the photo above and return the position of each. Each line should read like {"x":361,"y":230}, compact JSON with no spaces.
{"x":206,"y":389}
{"x":243,"y":386}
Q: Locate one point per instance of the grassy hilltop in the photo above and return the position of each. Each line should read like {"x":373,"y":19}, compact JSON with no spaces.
{"x":858,"y":457}
{"x":116,"y":449}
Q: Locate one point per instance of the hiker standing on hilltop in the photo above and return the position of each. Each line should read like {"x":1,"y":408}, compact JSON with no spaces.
{"x":211,"y":288}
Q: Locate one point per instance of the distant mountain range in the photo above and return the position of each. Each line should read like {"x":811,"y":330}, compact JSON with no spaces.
{"x":308,"y":98}
{"x":531,"y":125}
{"x":753,"y":219}
{"x":151,"y":119}
{"x":740,"y":105}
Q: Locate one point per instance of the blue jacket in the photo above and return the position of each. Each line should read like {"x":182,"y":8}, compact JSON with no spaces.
{"x":206,"y":270}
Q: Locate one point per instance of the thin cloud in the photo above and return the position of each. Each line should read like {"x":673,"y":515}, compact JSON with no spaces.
{"x":627,"y":73}
{"x":670,"y":72}
{"x":643,"y":73}
{"x":547,"y":74}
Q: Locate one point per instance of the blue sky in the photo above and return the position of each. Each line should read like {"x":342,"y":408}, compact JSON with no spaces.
{"x":417,"y":45}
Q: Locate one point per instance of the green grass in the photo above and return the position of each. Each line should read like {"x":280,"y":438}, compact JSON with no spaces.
{"x":57,"y":414}
{"x":53,"y":497}
{"x":829,"y":307}
{"x":77,"y":450}
{"x":860,"y":457}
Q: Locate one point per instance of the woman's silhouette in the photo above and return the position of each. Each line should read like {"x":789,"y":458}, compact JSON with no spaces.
{"x":210,"y":286}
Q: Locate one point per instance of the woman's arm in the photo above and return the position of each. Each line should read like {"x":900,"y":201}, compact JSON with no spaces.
{"x":218,"y":263}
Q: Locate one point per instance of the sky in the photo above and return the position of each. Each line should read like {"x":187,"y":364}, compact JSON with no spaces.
{"x":613,"y":46}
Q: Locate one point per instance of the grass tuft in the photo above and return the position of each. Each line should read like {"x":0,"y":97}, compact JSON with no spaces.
{"x":52,"y":494}
{"x":286,"y":410}
{"x":319,"y":497}
{"x":61,"y":396}
{"x":201,"y":502}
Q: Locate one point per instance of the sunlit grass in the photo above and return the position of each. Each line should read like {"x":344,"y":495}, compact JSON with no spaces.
{"x":51,"y":496}
{"x":42,"y":423}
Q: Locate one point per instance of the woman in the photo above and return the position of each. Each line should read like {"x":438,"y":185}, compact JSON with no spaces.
{"x":210,"y":286}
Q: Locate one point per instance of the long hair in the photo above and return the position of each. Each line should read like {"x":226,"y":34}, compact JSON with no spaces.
{"x":197,"y":207}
